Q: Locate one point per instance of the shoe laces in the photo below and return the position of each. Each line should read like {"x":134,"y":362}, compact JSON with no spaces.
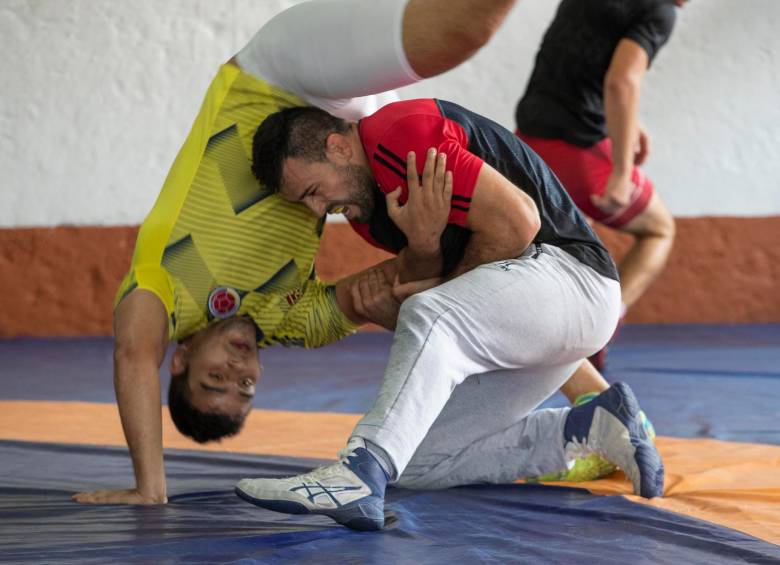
{"x":316,"y":474}
{"x":580,"y":449}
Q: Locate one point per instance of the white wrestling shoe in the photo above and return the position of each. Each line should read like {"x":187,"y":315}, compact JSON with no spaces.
{"x":351,"y":491}
{"x":610,"y":426}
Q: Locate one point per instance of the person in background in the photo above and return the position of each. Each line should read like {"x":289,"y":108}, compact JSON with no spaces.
{"x":580,"y":112}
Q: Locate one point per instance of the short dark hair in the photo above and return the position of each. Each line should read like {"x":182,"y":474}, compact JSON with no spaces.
{"x":292,"y":132}
{"x":200,"y":426}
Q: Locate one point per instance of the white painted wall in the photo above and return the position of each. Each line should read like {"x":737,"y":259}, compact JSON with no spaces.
{"x":97,"y":96}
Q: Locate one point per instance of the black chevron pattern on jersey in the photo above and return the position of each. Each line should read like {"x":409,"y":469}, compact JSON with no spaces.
{"x":184,"y":262}
{"x":225,"y":149}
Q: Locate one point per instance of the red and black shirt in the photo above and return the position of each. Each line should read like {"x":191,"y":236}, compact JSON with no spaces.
{"x":469,"y":140}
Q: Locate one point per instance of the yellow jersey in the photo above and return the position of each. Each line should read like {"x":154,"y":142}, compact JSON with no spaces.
{"x":218,"y":244}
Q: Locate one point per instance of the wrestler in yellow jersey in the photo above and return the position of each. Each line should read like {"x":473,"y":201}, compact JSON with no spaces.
{"x":217,"y":244}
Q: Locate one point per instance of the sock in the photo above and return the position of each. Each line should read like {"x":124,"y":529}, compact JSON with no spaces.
{"x":585,"y":398}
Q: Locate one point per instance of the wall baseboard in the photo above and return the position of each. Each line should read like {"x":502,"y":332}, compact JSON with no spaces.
{"x":61,"y":281}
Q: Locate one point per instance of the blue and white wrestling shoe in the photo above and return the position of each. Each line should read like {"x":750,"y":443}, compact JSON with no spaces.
{"x":351,"y":491}
{"x":610,"y":426}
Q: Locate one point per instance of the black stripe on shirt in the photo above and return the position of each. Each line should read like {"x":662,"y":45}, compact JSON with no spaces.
{"x":461,"y":198}
{"x":389,"y":166}
{"x":392,"y":155}
{"x":461,"y":208}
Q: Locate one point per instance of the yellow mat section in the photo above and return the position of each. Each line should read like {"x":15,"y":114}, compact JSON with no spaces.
{"x":736,"y":485}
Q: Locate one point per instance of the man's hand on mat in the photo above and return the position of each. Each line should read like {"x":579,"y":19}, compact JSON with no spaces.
{"x":126,"y":496}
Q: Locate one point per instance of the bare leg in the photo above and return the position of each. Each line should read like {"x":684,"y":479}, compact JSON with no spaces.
{"x":440,"y":34}
{"x":584,"y":380}
{"x":653,"y":231}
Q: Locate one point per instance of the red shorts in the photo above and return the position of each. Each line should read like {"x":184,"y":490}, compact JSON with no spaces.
{"x":584,"y":171}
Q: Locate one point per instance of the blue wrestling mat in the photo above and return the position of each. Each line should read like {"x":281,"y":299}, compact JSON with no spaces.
{"x":698,"y":383}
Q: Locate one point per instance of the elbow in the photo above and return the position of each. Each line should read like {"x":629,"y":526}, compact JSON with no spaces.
{"x":123,"y":352}
{"x":531,"y":225}
{"x":126,"y":359}
{"x":620,"y":86}
{"x":523,"y":227}
{"x":522,"y":234}
{"x":130,"y":356}
{"x":533,"y":229}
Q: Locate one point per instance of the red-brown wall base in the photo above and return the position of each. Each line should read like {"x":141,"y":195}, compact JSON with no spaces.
{"x":61,"y":281}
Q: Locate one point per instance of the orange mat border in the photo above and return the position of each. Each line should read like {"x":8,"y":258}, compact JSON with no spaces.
{"x":291,"y":434}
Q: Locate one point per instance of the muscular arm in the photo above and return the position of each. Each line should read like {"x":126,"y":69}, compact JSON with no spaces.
{"x":621,"y":105}
{"x":375,"y":295}
{"x":503,"y":220}
{"x":622,"y":85}
{"x":440,"y":34}
{"x":141,"y":332}
{"x":415,"y":265}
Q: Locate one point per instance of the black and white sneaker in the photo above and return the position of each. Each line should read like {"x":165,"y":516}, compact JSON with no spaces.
{"x":351,"y":491}
{"x":610,"y":425}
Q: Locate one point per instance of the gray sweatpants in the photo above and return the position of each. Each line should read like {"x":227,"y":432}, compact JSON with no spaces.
{"x":472,"y":358}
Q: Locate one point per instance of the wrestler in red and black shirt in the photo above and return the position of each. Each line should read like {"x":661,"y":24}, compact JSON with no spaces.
{"x":468,"y":140}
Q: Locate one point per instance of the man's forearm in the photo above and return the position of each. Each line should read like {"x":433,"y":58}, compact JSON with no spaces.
{"x":344,"y":289}
{"x":137,"y":385}
{"x":621,"y":105}
{"x":503,"y":220}
{"x":414,"y":265}
{"x":483,"y":249}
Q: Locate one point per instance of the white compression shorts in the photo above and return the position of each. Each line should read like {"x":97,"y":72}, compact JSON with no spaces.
{"x":339,"y":55}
